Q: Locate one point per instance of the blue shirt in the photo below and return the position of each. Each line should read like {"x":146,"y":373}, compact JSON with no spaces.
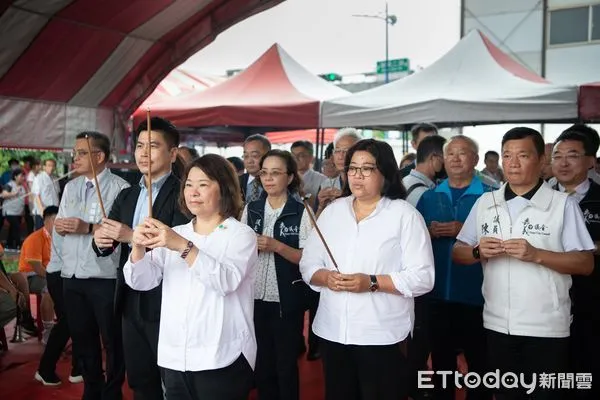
{"x":453,"y":282}
{"x":141,"y":208}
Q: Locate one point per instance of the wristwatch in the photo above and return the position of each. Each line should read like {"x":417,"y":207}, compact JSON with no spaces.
{"x":374,"y":285}
{"x":476,"y":254}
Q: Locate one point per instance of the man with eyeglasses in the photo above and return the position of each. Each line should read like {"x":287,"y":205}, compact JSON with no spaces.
{"x":89,"y":281}
{"x":255,"y":147}
{"x":572,"y":158}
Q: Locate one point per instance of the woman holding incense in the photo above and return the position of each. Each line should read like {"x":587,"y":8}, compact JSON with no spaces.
{"x":206,"y":343}
{"x":383,"y":251}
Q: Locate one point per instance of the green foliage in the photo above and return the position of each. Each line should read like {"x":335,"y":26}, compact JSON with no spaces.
{"x":6,"y":155}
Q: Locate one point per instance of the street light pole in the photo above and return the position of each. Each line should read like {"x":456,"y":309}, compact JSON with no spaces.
{"x":389,"y":20}
{"x":387,"y":44}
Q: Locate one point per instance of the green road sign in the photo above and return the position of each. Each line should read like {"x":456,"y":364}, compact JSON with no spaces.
{"x":396,"y":65}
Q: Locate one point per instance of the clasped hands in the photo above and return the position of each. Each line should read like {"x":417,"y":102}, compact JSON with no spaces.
{"x":520,"y":249}
{"x":151,"y":233}
{"x":72,"y":225}
{"x":446,"y":229}
{"x":355,"y":283}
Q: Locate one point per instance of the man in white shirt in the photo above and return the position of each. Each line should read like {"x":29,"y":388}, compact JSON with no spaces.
{"x":572,"y":158}
{"x":530,"y":240}
{"x":45,"y":191}
{"x":430,"y":161}
{"x":89,"y":281}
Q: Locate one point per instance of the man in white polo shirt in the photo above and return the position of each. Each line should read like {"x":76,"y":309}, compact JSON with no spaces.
{"x":530,"y":240}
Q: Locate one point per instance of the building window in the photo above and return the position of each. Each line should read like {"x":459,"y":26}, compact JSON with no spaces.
{"x":569,"y":25}
{"x":595,"y":22}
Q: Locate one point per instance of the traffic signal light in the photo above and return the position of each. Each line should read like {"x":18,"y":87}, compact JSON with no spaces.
{"x":331,"y":77}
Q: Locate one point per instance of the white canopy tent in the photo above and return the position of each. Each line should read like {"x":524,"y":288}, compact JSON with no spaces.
{"x":474,"y":83}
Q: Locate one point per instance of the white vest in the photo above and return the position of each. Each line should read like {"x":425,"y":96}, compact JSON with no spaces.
{"x":523,"y":298}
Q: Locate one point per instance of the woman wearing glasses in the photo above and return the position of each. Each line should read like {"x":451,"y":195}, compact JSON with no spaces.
{"x":282,"y":225}
{"x":383,"y":251}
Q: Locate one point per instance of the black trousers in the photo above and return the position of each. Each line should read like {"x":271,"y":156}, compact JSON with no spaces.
{"x":90,"y":308}
{"x":585,"y":352}
{"x":233,"y":382}
{"x":528,"y":355}
{"x":59,"y":335}
{"x":456,"y":327}
{"x":419,"y":345}
{"x":355,"y":372}
{"x":13,"y":239}
{"x":313,"y":340}
{"x":28,"y":219}
{"x":277,"y":376}
{"x":140,"y":345}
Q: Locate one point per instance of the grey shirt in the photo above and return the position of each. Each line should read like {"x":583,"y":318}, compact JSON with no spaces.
{"x":312,"y":181}
{"x":79,"y":260}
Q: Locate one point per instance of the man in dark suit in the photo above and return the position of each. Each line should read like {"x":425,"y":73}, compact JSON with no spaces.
{"x":141,"y":310}
{"x":255,"y":147}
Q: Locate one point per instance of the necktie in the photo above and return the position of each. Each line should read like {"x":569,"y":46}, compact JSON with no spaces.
{"x":89,"y":191}
{"x":254,"y":191}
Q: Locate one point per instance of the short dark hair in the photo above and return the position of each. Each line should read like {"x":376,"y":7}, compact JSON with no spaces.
{"x":416,"y":130}
{"x":193,"y":152}
{"x":588,"y":147}
{"x":221,"y":171}
{"x":590,"y":133}
{"x":490,"y":153}
{"x":16,"y":172}
{"x":386,"y":164}
{"x":430,"y":145}
{"x":328,"y":151}
{"x":257,"y":137}
{"x":523,"y":132}
{"x":49,"y":159}
{"x":99,"y":140}
{"x":295,"y":185}
{"x":13,"y":161}
{"x":237,"y":162}
{"x":158,"y":124}
{"x":305,"y":144}
{"x":50,"y":211}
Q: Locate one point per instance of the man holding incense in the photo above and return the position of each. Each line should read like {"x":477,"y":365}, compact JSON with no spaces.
{"x":530,"y":240}
{"x":155,"y":153}
{"x":89,"y":281}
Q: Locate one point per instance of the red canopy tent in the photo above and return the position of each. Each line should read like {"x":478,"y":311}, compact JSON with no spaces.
{"x":180,"y":82}
{"x":306,"y":134}
{"x":275,"y":92}
{"x":589,"y":102}
{"x":73,"y":65}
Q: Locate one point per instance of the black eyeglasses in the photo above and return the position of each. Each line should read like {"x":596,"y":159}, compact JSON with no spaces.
{"x":364,"y":171}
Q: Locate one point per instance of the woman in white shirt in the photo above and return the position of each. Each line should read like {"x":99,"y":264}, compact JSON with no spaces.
{"x":206,"y":344}
{"x":382,"y":248}
{"x":14,"y":207}
{"x":282,"y":225}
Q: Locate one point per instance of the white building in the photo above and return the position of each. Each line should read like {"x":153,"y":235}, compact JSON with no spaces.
{"x":558,"y":39}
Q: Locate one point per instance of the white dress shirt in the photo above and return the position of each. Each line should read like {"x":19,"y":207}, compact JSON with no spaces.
{"x":392,"y":241}
{"x":207,"y":309}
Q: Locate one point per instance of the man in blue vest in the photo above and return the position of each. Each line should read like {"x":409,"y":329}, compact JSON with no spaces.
{"x":456,"y":303}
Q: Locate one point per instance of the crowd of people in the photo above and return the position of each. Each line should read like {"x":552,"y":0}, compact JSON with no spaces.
{"x":194,"y":282}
